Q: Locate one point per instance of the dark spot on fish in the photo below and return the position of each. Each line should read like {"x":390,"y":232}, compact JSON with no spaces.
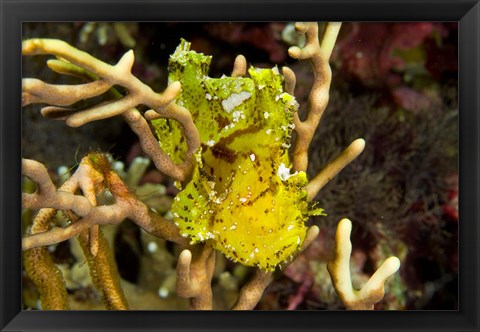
{"x":221,"y":151}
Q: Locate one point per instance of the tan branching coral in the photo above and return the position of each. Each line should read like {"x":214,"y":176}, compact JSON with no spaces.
{"x":194,"y":276}
{"x":253,"y":290}
{"x":36,"y":91}
{"x":77,"y":197}
{"x":38,"y":262}
{"x":339,"y":269}
{"x":94,"y":166}
{"x":318,"y":53}
{"x":239,"y":66}
{"x":334,"y":167}
{"x":42,"y":270}
{"x":92,"y":175}
{"x":104,"y":272}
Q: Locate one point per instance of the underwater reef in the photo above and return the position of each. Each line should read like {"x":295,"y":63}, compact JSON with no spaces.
{"x":181,"y":175}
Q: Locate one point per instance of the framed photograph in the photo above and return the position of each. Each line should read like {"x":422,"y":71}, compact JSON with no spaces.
{"x":240,"y":166}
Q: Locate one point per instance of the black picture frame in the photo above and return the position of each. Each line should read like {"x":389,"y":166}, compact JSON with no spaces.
{"x":13,"y":12}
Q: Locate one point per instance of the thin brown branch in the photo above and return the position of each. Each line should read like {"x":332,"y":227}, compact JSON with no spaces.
{"x":194,"y":276}
{"x":180,"y":172}
{"x":239,"y":66}
{"x":319,"y":56}
{"x":334,"y":167}
{"x":104,"y":271}
{"x":253,"y":290}
{"x":290,"y":81}
{"x":37,"y":91}
{"x":47,"y":195}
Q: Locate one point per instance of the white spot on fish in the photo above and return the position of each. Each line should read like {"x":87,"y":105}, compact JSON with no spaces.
{"x":234,"y":100}
{"x":284,"y":172}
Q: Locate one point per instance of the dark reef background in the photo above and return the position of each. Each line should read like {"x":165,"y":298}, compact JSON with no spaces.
{"x":394,"y":84}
